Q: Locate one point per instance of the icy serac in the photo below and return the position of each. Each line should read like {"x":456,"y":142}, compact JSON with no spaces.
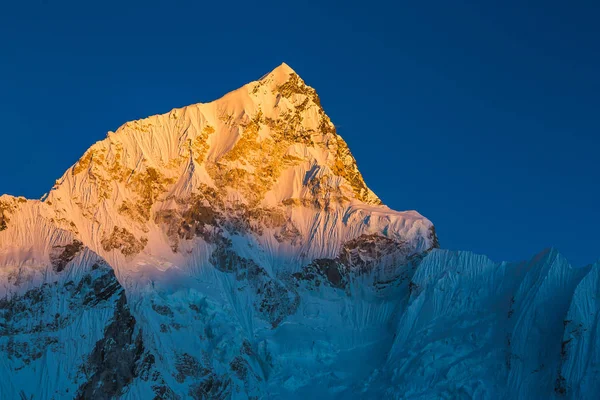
{"x":233,"y":250}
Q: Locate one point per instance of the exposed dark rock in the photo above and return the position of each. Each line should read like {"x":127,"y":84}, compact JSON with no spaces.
{"x":170,"y":220}
{"x":334,"y":271}
{"x":324,"y":271}
{"x":62,"y":255}
{"x":247,"y":348}
{"x":188,"y":366}
{"x":564,"y":348}
{"x":358,"y":256}
{"x":560,"y":385}
{"x":28,"y":313}
{"x":295,"y":85}
{"x":163,"y":392}
{"x":148,"y":186}
{"x":162,"y":310}
{"x":117,"y":358}
{"x":28,"y":350}
{"x":225,"y":259}
{"x":104,"y":287}
{"x":203,"y":216}
{"x":345,"y":166}
{"x":263,"y":217}
{"x":242,"y":369}
{"x":123,"y":240}
{"x":511,"y":310}
{"x":195,"y":219}
{"x":413,"y":288}
{"x":7,"y":208}
{"x":212,"y":387}
{"x":195,"y":308}
{"x":18,"y":312}
{"x":275,"y":301}
{"x":366,"y":251}
{"x":289,"y":233}
{"x":435,"y":244}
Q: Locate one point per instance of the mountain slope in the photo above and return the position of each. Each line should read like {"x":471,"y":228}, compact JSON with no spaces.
{"x":233,"y":250}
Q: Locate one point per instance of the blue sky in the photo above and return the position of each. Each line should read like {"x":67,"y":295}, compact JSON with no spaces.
{"x":484,"y":118}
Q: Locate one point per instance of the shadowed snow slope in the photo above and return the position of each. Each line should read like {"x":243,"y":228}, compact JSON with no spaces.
{"x":233,"y":250}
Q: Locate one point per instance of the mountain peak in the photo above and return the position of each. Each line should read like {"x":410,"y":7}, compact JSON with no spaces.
{"x":280,"y":74}
{"x":257,"y":142}
{"x":283,"y":67}
{"x":263,"y":159}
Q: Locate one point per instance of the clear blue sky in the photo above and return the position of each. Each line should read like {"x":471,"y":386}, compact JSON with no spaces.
{"x":484,"y":118}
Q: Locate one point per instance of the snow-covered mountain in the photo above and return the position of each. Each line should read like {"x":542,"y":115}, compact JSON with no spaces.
{"x":233,"y":250}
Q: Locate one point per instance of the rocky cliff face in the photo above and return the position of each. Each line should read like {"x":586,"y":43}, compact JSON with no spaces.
{"x":233,"y":250}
